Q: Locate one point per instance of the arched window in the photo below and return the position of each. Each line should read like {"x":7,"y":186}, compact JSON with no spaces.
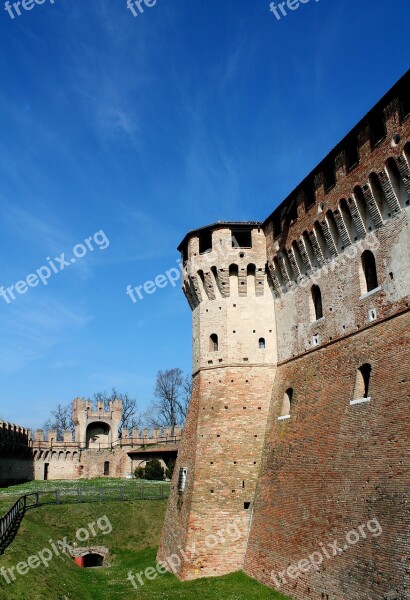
{"x":106,"y":468}
{"x":369,"y":272}
{"x":262,"y":344}
{"x":286,"y":404}
{"x":213,"y":343}
{"x":362,"y":382}
{"x":316,"y":303}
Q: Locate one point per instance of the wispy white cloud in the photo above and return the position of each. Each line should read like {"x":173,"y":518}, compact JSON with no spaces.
{"x":31,"y":328}
{"x":41,"y":228}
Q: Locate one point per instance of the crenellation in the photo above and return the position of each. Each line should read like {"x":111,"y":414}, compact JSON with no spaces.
{"x":52,"y":435}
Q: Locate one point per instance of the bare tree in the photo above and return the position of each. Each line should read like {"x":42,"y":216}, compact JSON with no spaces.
{"x":61,"y":420}
{"x":186,"y":395}
{"x":171,"y":400}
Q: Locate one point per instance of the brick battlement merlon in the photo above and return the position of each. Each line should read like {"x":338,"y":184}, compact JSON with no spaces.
{"x":217,"y":225}
{"x":312,"y":188}
{"x":358,"y":146}
{"x":11,"y":434}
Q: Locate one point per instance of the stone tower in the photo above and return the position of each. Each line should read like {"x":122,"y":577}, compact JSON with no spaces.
{"x":234,"y":360}
{"x":96,"y":429}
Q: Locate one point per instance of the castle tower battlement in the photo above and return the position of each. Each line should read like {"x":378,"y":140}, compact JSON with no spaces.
{"x":234,"y":360}
{"x":226,"y":285}
{"x":299,"y":414}
{"x":96,"y":428}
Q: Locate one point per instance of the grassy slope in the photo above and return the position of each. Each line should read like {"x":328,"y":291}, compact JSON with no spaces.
{"x":136,"y":529}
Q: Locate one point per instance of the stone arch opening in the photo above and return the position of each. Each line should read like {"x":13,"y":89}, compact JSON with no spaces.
{"x":92,"y":560}
{"x":98,"y":435}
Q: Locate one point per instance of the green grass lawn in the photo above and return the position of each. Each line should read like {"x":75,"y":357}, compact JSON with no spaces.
{"x":136,"y":528}
{"x":10,"y":494}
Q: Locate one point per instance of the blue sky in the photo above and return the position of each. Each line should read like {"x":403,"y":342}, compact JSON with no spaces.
{"x":145,"y":128}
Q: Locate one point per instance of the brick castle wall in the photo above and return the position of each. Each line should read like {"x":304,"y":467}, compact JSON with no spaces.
{"x":16,"y":463}
{"x":331,"y":467}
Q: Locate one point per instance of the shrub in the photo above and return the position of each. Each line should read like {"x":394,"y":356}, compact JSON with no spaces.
{"x":139,"y":473}
{"x":154,"y":470}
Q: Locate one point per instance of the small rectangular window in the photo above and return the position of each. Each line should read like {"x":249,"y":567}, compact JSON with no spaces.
{"x":377,"y":128}
{"x":352,"y":153}
{"x":241,"y":238}
{"x":329,"y":174}
{"x":277,"y":223}
{"x":310,"y":196}
{"x":183,"y":472}
{"x":205,"y":242}
{"x":292,"y":211}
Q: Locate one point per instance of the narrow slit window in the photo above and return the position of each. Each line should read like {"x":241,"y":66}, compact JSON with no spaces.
{"x":287,"y":402}
{"x":378,"y":128}
{"x":369,"y":271}
{"x":329,"y":174}
{"x":310,"y":195}
{"x":363,"y":382}
{"x":352,"y":153}
{"x":317,"y":302}
{"x":213,"y":343}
